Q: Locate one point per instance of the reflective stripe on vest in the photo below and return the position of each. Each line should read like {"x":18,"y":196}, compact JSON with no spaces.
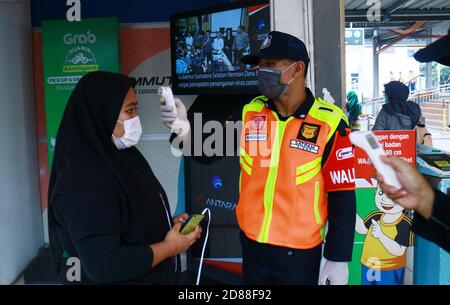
{"x":307,"y":171}
{"x":332,"y":120}
{"x":269,"y":189}
{"x":282,"y":197}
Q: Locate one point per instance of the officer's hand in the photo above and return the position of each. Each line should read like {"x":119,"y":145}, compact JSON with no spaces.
{"x":334,"y":273}
{"x":415,"y":194}
{"x":175,"y":118}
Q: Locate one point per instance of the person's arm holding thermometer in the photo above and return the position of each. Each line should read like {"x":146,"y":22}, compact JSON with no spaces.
{"x":415,"y":192}
{"x":399,"y":181}
{"x":432,"y":207}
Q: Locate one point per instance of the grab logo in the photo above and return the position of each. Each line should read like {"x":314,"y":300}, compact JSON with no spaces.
{"x":70,"y":38}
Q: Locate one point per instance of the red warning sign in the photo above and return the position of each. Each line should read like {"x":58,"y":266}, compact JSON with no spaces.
{"x":401,"y":143}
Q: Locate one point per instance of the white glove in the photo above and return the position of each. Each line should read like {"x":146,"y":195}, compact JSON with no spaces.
{"x":175,"y":118}
{"x":334,"y":273}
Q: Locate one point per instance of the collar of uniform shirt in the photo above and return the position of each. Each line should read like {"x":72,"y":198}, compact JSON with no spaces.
{"x":301,"y":112}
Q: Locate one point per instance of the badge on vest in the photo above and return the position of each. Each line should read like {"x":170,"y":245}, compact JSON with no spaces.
{"x":309,"y":132}
{"x":256,"y":137}
{"x":258,"y":122}
{"x":344,"y":153}
{"x":304,"y":146}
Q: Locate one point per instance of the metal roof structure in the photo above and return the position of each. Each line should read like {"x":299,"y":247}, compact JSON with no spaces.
{"x":396,"y":20}
{"x":398,"y":10}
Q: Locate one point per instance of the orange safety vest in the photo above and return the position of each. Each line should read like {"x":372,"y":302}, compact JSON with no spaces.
{"x":282,"y":199}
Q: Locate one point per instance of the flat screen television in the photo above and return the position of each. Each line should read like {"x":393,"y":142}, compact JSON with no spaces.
{"x":207,"y":46}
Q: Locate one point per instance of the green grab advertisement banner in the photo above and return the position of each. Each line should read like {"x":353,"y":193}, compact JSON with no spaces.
{"x":71,"y":50}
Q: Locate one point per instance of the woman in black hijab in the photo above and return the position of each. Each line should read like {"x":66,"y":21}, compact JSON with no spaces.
{"x":106,"y":206}
{"x":398,"y":113}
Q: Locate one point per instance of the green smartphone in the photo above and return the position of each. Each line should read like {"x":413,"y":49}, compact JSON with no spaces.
{"x":189,"y":224}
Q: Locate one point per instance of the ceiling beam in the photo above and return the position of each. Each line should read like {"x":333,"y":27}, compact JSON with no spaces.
{"x":403,"y":35}
{"x":393,"y":8}
{"x":398,"y":4}
{"x":391,"y":44}
{"x":401,"y":15}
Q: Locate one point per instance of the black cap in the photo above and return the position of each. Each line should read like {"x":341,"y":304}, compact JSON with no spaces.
{"x":438,"y":51}
{"x":279,"y":45}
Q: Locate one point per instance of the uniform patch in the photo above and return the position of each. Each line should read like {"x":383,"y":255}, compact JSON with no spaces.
{"x":304,"y":146}
{"x":344,"y":153}
{"x":309,"y":132}
{"x":256,"y":137}
{"x":258,"y":122}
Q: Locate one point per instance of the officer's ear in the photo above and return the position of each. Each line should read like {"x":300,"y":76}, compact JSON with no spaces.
{"x":299,"y":70}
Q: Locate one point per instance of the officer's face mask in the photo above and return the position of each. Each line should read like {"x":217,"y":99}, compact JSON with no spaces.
{"x":270,"y":82}
{"x":133,"y":131}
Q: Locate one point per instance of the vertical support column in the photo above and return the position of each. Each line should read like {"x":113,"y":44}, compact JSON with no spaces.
{"x":322,"y":29}
{"x":428,"y":76}
{"x":376,"y":68}
{"x":329,"y":46}
{"x":21,"y":233}
{"x":295,"y":17}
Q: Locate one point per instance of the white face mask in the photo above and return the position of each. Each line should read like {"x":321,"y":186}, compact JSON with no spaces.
{"x":133,"y":131}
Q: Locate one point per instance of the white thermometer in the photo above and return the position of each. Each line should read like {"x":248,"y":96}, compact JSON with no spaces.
{"x":167,"y":95}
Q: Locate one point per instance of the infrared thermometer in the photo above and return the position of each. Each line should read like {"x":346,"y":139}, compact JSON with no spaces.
{"x":167,"y":95}
{"x":369,"y":143}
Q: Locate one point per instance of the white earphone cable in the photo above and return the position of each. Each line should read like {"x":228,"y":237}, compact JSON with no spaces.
{"x":204,"y":245}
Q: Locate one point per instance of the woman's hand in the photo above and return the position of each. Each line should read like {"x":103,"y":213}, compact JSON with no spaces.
{"x":174,"y":243}
{"x":178,"y":242}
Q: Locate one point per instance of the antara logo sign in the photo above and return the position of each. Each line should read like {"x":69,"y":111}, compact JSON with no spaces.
{"x":343,"y":176}
{"x":215,"y":203}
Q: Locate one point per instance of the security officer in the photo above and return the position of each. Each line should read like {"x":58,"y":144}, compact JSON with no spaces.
{"x":297,"y":173}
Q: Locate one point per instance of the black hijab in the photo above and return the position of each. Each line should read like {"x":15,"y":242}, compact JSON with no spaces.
{"x":397,"y":94}
{"x":86,"y":160}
